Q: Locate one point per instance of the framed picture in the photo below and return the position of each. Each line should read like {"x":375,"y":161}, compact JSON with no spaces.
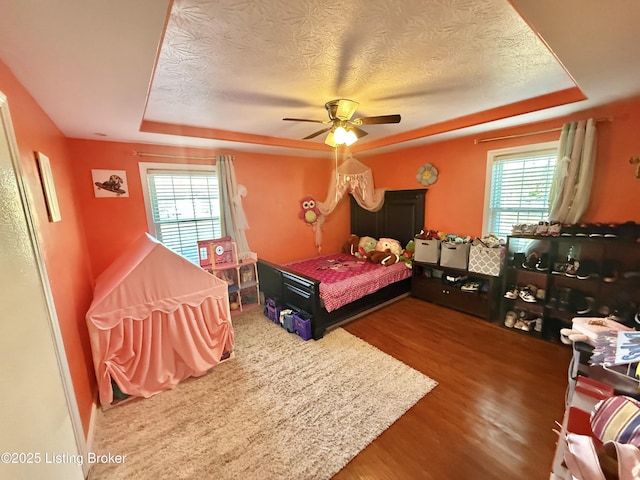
{"x":110,"y":183}
{"x":49,"y":188}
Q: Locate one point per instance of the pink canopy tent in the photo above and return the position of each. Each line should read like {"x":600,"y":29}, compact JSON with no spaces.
{"x":156,"y":319}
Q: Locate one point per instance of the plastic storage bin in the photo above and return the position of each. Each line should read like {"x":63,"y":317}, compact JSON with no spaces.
{"x":302,"y":325}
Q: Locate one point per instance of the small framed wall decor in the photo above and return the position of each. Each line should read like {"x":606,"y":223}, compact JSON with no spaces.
{"x":110,"y":183}
{"x":49,"y":188}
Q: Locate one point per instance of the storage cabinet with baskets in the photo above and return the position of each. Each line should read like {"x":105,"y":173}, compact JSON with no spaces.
{"x":473,"y":293}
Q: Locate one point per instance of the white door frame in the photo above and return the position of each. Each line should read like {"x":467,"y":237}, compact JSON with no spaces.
{"x":56,"y":335}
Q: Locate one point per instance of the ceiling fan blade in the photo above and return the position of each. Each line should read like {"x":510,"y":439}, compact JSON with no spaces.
{"x":358,"y":131}
{"x":304,"y":120}
{"x":317,"y":133}
{"x":377,"y":120}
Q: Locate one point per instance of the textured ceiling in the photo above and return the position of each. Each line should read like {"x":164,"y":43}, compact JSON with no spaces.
{"x":223,"y":74}
{"x":242,"y":66}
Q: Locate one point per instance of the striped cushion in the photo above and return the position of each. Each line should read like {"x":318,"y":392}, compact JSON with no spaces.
{"x":617,"y":418}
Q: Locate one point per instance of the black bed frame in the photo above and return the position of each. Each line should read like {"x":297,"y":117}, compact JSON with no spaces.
{"x":401,"y":217}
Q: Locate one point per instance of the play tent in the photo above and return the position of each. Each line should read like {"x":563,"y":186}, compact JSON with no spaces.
{"x":156,"y":319}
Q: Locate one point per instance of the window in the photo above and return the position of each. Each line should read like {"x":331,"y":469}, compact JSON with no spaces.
{"x":517,"y":187}
{"x":183,"y":205}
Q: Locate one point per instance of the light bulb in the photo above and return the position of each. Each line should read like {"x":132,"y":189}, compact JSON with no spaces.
{"x":350,"y":138}
{"x":340,"y":135}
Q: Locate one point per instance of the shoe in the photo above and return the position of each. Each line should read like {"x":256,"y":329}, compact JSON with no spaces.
{"x":560,"y":268}
{"x":510,"y":319}
{"x":572,"y":269}
{"x":517,"y":229}
{"x":564,"y":295}
{"x":470,"y":287}
{"x":518,"y":259}
{"x":610,"y":230}
{"x":542,"y":228}
{"x":531,"y":261}
{"x":543,"y":262}
{"x":596,"y":230}
{"x":537,"y":324}
{"x":521,"y":325}
{"x":582,"y":304}
{"x":528,"y":294}
{"x":582,"y":230}
{"x":586,"y":270}
{"x":554,"y":229}
{"x":567,"y":230}
{"x":609,"y":271}
{"x":529,"y":229}
{"x":512,"y":294}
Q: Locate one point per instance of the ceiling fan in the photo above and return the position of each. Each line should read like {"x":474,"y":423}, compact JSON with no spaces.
{"x":342,"y":129}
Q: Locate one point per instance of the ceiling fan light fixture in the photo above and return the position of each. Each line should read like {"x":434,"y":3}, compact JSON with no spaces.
{"x":330,"y":140}
{"x":350,"y":138}
{"x":340,"y":135}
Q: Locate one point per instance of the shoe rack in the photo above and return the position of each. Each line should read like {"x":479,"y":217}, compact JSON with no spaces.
{"x":549,"y":280}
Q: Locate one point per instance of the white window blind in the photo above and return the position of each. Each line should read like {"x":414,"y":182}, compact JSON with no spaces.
{"x":184,"y":208}
{"x":519,"y":192}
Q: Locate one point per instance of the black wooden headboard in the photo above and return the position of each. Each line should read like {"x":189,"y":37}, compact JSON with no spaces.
{"x":401,"y":216}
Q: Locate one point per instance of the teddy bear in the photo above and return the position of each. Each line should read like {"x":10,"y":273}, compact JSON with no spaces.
{"x":386,"y":252}
{"x":389,"y":244}
{"x":366,"y":245}
{"x":385,"y":258}
{"x":351,"y":246}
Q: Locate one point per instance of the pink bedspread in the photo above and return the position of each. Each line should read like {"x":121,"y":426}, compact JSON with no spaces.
{"x":345,"y":278}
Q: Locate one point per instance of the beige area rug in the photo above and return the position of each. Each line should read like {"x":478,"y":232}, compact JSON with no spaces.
{"x":282,"y":408}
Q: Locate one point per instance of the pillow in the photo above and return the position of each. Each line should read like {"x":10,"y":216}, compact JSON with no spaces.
{"x":617,"y":418}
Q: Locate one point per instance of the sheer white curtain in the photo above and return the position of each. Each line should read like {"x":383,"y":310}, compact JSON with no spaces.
{"x":356,"y":178}
{"x":571,"y":185}
{"x":353,"y":177}
{"x":234,"y":220}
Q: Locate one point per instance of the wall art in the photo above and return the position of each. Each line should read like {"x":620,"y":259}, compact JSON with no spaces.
{"x":49,"y":188}
{"x":110,"y":183}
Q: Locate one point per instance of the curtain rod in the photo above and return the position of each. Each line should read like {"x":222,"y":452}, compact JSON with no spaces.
{"x":179,"y":157}
{"x":518,"y":135}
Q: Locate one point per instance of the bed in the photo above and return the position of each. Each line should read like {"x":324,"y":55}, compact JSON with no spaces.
{"x":401,"y":217}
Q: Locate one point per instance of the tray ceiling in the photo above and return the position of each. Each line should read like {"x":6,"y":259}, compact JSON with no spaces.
{"x":223,"y":74}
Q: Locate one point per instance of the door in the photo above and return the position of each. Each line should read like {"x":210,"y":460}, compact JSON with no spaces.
{"x":37,"y":435}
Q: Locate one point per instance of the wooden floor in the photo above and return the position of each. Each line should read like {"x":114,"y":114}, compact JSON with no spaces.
{"x":492,"y":414}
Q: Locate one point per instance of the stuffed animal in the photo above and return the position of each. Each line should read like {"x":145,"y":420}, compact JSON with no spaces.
{"x":390,"y":244}
{"x":350,"y":247}
{"x":366,"y":245}
{"x":309,"y":212}
{"x":407,"y":254}
{"x":385,"y":258}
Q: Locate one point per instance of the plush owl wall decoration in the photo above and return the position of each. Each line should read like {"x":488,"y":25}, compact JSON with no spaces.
{"x":310,"y":212}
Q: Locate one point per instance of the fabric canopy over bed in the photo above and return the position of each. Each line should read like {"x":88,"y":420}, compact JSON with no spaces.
{"x":156,"y":319}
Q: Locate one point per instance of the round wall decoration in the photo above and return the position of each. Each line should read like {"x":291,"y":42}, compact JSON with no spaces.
{"x":427,"y":174}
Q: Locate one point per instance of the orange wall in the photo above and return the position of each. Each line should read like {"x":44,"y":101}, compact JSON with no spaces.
{"x":455,"y":202}
{"x":63,"y":243}
{"x":275,"y":184}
